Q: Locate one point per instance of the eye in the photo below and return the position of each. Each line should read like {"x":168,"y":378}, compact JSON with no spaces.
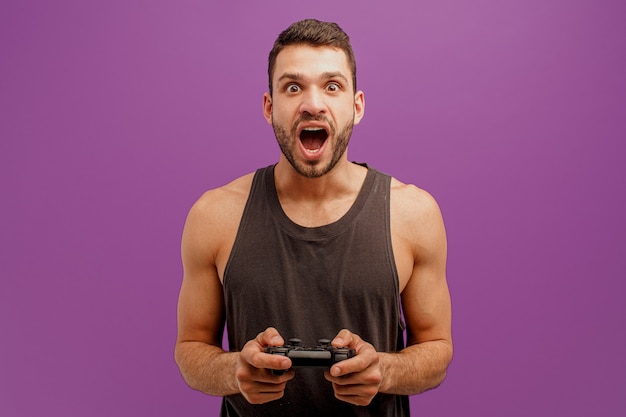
{"x":333,"y":87}
{"x":292,"y":88}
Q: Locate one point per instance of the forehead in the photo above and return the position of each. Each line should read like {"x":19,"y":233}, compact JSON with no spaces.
{"x":311,"y":61}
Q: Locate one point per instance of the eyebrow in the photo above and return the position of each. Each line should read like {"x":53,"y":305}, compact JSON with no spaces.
{"x":325,"y":75}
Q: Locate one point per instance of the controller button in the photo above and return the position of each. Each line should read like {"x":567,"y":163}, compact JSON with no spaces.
{"x":324,"y":342}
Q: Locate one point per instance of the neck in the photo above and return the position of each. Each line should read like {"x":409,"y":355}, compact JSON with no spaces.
{"x":344,"y":179}
{"x":313,"y":202}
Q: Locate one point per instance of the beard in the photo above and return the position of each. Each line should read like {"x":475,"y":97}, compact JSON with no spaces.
{"x":313,"y":169}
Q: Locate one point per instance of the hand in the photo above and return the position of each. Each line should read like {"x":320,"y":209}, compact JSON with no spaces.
{"x":355,"y":380}
{"x":253,"y":373}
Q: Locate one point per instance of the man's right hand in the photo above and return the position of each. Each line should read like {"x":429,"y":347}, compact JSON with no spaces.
{"x":253,"y":374}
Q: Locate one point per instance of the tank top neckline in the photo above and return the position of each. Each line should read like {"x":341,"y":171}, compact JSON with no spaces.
{"x":318,"y":232}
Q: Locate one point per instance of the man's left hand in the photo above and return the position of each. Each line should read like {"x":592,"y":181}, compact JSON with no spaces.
{"x":358,"y":379}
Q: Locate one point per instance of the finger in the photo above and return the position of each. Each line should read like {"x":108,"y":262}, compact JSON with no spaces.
{"x":361,"y":400}
{"x":345,"y":338}
{"x":262,"y":360}
{"x":256,"y":355}
{"x":260,"y":383}
{"x":355,"y":390}
{"x":253,"y":353}
{"x":366,"y":357}
{"x":369,"y":376}
{"x":269,"y":337}
{"x":267,"y":378}
{"x":358,"y":363}
{"x":354,"y":393}
{"x":261,"y":393}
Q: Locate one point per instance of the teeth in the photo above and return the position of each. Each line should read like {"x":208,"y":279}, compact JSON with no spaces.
{"x":312,"y":129}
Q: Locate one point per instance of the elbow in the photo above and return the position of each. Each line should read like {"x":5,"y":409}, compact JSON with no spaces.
{"x":439,"y":371}
{"x":181,"y":358}
{"x":447,"y":355}
{"x":439,"y":379}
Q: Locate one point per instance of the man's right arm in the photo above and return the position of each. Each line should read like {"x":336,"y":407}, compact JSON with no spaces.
{"x":199,"y":355}
{"x":205,"y":366}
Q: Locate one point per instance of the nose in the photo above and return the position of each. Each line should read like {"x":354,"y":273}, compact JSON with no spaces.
{"x":313,"y":102}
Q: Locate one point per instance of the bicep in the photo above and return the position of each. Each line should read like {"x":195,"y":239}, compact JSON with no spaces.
{"x":426,"y":298}
{"x":200,"y":302}
{"x":427,"y":308}
{"x":200,"y":311}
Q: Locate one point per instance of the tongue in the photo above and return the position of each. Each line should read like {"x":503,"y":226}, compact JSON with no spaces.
{"x":312,"y":140}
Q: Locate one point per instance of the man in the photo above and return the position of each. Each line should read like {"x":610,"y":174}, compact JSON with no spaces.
{"x":314,"y":247}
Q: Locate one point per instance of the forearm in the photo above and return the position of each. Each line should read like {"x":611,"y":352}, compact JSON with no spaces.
{"x":416,"y":368}
{"x":207,"y":368}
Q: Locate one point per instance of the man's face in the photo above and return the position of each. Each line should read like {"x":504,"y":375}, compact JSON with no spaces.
{"x":313,"y":107}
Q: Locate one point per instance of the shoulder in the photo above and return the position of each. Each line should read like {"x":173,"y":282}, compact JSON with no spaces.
{"x":411,"y":202}
{"x":415,"y":216}
{"x":214,"y":218}
{"x":220,"y":202}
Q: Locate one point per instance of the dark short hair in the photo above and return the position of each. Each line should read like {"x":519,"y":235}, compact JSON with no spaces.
{"x":314,"y":33}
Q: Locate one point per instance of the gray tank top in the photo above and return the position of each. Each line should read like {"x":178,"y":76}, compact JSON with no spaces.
{"x":310,"y":283}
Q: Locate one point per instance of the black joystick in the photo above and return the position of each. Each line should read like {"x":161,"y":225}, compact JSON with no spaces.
{"x":324,"y":355}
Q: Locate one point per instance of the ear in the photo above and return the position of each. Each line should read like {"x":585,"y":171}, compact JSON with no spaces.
{"x":267,"y":107}
{"x":359,"y":106}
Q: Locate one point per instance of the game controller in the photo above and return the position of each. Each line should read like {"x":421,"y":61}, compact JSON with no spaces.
{"x":324,"y":355}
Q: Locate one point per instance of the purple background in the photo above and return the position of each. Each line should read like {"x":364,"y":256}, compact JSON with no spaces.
{"x":117,"y":115}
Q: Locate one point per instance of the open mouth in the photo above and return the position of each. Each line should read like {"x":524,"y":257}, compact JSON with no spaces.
{"x":313,"y":138}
